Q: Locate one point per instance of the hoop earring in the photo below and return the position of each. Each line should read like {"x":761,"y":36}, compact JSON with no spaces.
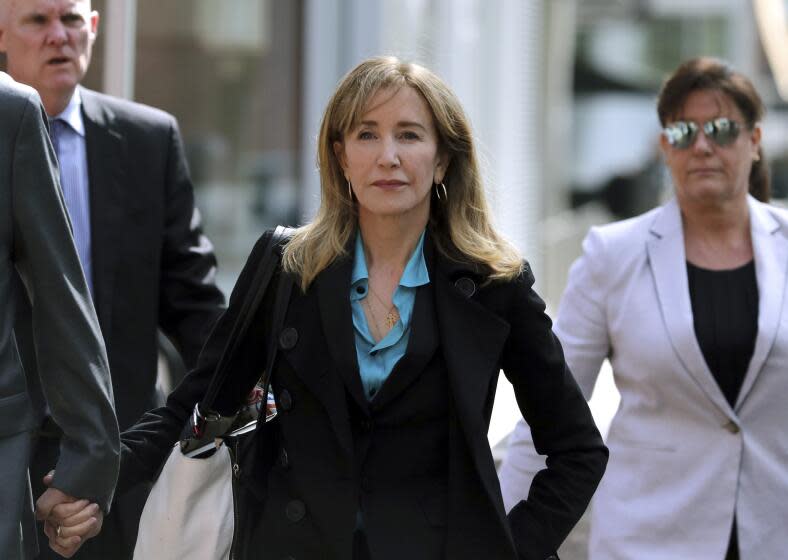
{"x":445,"y":196}
{"x":349,"y":191}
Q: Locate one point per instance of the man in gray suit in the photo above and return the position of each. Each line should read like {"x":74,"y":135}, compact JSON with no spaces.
{"x":36,"y":244}
{"x":138,"y":234}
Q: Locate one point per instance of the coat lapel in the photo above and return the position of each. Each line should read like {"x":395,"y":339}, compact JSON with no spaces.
{"x":333,"y":285}
{"x":771,"y":261}
{"x":106,"y":150}
{"x":309,"y":362}
{"x":472,"y":340}
{"x":668,"y":265}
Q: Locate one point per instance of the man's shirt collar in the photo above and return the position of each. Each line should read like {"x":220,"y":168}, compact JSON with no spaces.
{"x":72,"y":114}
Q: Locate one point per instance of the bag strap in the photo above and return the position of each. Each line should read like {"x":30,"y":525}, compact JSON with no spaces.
{"x":283,"y":290}
{"x":203,"y":411}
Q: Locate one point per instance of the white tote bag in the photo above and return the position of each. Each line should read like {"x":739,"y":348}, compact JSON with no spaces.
{"x":189,"y":512}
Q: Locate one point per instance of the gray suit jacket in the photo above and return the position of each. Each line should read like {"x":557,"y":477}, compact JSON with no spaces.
{"x":36,"y":244}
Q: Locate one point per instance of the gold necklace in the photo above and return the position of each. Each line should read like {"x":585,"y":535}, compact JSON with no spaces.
{"x":374,"y":324}
{"x":392,"y":316}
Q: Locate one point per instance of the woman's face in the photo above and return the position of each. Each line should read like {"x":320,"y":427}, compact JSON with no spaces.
{"x":706,"y":174}
{"x":391,"y":157}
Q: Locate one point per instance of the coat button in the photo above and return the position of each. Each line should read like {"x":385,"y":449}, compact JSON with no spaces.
{"x":285,"y":401}
{"x":732,"y":427}
{"x":366,"y":425}
{"x":466,"y":286}
{"x":366,"y":484}
{"x":284,"y":460}
{"x":295,"y":510}
{"x":288,"y":338}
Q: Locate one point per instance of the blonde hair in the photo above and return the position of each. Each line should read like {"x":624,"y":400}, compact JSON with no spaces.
{"x":460,"y":226}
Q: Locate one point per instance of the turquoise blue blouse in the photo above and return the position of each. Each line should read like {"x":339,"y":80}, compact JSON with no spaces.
{"x":375,"y":361}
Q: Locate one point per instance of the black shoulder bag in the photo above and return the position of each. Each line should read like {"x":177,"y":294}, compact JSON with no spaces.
{"x":206,"y":424}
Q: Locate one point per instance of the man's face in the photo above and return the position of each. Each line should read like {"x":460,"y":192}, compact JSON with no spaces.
{"x":48,"y":42}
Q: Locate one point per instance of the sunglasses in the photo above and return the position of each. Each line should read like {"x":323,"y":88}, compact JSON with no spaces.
{"x":722,"y":131}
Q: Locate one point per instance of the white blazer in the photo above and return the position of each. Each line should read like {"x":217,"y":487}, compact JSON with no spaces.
{"x":682,"y":461}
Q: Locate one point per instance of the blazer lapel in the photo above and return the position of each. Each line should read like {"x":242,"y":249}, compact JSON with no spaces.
{"x":106,"y":155}
{"x":771,"y":260}
{"x":669,"y":267}
{"x":333,"y":292}
{"x":472,"y":340}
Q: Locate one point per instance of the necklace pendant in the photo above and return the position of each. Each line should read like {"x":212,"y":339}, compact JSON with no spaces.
{"x":392,"y":318}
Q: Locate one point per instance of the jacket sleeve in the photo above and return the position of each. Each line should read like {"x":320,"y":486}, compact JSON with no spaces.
{"x":561,"y":426}
{"x":145,"y":446}
{"x":581,"y":326}
{"x":189,"y":300}
{"x":73,"y":366}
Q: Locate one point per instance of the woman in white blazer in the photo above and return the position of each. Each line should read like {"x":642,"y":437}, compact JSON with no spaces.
{"x":688,"y":304}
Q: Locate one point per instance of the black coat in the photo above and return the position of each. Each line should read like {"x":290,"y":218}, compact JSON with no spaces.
{"x":482,"y":329}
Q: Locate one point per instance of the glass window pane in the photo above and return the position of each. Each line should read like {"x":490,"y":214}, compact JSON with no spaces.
{"x":231,"y":77}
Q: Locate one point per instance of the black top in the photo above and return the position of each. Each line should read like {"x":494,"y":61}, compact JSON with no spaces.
{"x":725,"y":312}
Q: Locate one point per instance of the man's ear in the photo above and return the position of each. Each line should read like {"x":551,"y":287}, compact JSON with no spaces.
{"x":6,"y":15}
{"x":94,"y":23}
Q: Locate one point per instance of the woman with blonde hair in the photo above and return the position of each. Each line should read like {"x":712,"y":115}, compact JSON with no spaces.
{"x":407,"y":304}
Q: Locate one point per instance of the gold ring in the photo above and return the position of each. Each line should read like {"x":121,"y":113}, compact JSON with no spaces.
{"x":57,"y":531}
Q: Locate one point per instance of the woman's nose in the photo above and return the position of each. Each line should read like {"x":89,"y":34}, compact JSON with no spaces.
{"x":389,"y":155}
{"x":702,"y":143}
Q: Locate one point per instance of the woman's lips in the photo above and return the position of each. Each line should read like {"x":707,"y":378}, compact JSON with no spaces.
{"x":388,"y":184}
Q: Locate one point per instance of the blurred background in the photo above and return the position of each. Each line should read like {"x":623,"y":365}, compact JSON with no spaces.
{"x":561,"y":94}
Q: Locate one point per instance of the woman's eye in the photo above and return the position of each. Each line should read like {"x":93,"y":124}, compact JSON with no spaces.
{"x":365,"y":135}
{"x":409,"y":135}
